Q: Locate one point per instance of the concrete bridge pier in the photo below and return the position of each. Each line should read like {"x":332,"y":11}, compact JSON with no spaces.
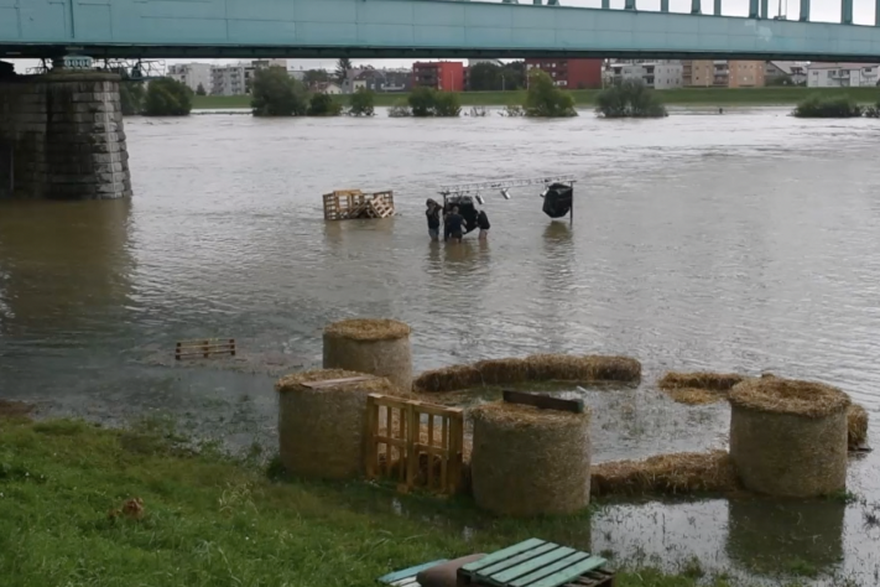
{"x":62,"y":137}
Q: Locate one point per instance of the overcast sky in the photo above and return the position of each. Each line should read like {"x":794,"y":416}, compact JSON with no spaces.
{"x":821,"y":11}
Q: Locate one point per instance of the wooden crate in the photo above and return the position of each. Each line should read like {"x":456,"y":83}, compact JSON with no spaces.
{"x":349,"y":204}
{"x":537,"y":563}
{"x":204,"y":348}
{"x":420,"y":444}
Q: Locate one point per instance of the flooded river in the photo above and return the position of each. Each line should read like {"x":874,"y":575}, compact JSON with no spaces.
{"x":746,"y":242}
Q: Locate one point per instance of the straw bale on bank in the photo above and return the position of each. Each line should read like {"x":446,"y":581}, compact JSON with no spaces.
{"x":590,"y":368}
{"x":377,"y":346}
{"x":698,"y":388}
{"x":789,"y":437}
{"x":528,"y":462}
{"x":857,"y":426}
{"x":321,"y":432}
{"x":672,"y":474}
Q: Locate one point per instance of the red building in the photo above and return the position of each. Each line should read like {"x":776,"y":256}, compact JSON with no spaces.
{"x":572,"y":74}
{"x":447,"y":76}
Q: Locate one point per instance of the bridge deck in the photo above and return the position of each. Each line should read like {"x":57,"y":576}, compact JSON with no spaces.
{"x":407,"y":28}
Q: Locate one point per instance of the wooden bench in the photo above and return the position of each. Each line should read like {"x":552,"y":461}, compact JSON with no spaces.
{"x":407,"y":577}
{"x":537,"y":563}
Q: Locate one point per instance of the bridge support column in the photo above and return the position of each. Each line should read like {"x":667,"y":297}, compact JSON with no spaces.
{"x":629,"y":5}
{"x":805,"y":10}
{"x":695,"y":7}
{"x":846,"y":11}
{"x":753,"y":8}
{"x":606,"y":4}
{"x":664,"y":5}
{"x":765,"y":9}
{"x":65,"y":136}
{"x":717,"y":10}
{"x":876,"y":12}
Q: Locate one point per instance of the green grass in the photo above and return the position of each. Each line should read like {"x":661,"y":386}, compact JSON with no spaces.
{"x":677,"y":97}
{"x":213,"y":521}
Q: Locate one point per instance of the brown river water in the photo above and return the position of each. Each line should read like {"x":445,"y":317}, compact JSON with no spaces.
{"x":740,"y":242}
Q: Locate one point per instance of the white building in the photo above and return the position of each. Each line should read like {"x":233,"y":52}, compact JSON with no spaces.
{"x":842,"y":75}
{"x":796,"y":71}
{"x":192,"y":74}
{"x":235,"y":80}
{"x":660,"y":75}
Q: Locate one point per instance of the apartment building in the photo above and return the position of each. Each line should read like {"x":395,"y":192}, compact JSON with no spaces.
{"x":192,"y":75}
{"x":447,"y":76}
{"x":572,"y":74}
{"x":660,"y":75}
{"x":843,"y":75}
{"x":705,"y":73}
{"x":795,"y":71}
{"x":235,"y":80}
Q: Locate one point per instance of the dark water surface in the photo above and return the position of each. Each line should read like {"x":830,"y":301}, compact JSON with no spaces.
{"x":744,"y":242}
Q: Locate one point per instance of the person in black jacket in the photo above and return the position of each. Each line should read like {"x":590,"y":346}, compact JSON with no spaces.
{"x":433,"y":214}
{"x":454,"y":225}
{"x":483,"y":224}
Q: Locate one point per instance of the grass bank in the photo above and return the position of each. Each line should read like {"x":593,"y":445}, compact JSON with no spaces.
{"x":208,"y":520}
{"x":677,"y":97}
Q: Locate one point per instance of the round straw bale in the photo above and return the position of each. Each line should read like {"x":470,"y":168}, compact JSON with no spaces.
{"x":699,"y":380}
{"x":672,"y":474}
{"x":545,"y":367}
{"x":377,"y":346}
{"x":451,"y":378}
{"x":321,"y":431}
{"x":528,"y":462}
{"x":503,"y":371}
{"x":788,"y":437}
{"x":857,"y":424}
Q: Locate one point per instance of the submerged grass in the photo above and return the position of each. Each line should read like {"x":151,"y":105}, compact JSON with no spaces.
{"x":82,"y":505}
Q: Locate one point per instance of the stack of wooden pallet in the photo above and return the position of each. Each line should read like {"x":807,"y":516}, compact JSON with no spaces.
{"x":349,"y":204}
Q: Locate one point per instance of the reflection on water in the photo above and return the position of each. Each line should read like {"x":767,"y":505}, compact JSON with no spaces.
{"x":744,"y":242}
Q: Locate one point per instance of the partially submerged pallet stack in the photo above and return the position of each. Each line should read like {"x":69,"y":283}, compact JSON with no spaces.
{"x":350,"y":204}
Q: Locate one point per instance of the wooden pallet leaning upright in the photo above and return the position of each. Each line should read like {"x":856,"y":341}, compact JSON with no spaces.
{"x":204,"y":348}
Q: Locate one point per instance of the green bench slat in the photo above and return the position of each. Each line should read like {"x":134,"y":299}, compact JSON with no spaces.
{"x":527,"y":557}
{"x":502,"y":554}
{"x":550,"y":569}
{"x":532,"y":565}
{"x":564,"y":576}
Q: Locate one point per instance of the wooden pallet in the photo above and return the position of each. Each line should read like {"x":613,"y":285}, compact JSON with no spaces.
{"x":413,"y":446}
{"x":349,"y":204}
{"x":537,"y":563}
{"x":204,"y":348}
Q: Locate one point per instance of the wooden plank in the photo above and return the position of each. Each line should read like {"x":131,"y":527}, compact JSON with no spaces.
{"x":502,"y":554}
{"x":547,"y":570}
{"x":332,"y":382}
{"x":410,"y":572}
{"x":569,"y":574}
{"x":372,"y":425}
{"x":516,"y":562}
{"x":543,"y":402}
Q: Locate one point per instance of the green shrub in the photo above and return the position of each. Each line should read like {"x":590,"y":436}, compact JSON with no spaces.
{"x":167,"y":97}
{"x":275,"y":93}
{"x":629,"y":98}
{"x":362,"y":103}
{"x":324,"y":105}
{"x":828,"y":107}
{"x":426,"y":102}
{"x":545,"y":100}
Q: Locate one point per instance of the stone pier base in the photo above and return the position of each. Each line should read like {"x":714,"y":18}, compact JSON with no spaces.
{"x":62,"y":137}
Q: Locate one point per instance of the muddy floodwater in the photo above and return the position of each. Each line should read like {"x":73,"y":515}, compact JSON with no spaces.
{"x":747,"y":242}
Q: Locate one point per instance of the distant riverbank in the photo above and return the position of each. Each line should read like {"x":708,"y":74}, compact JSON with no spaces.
{"x":777,"y":96}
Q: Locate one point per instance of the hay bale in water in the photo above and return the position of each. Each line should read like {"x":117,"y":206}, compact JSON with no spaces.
{"x":321,"y":432}
{"x":857,"y":426}
{"x":672,"y":474}
{"x":377,"y":346}
{"x":590,"y":368}
{"x":449,"y":379}
{"x":698,"y":388}
{"x":528,"y":462}
{"x":789,"y":438}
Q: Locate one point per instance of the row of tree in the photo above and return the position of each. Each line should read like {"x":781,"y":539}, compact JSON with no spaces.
{"x":817,"y":106}
{"x":162,"y":97}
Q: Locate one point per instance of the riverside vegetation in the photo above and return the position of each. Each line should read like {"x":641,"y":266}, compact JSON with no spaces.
{"x":843,"y":106}
{"x":84,"y":505}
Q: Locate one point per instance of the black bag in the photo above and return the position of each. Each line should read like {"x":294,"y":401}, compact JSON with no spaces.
{"x":557,"y":202}
{"x":465,"y":207}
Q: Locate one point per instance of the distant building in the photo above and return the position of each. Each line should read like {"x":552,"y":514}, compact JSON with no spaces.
{"x":660,"y":75}
{"x":192,"y":75}
{"x":573,"y":74}
{"x":331,"y":88}
{"x":796,"y":71}
{"x":235,"y":80}
{"x":704,"y":73}
{"x":843,"y":75}
{"x":447,"y":76}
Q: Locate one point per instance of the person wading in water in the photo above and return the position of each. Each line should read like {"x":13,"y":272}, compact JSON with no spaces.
{"x":433,"y":214}
{"x":454,"y":222}
{"x":483,"y":224}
